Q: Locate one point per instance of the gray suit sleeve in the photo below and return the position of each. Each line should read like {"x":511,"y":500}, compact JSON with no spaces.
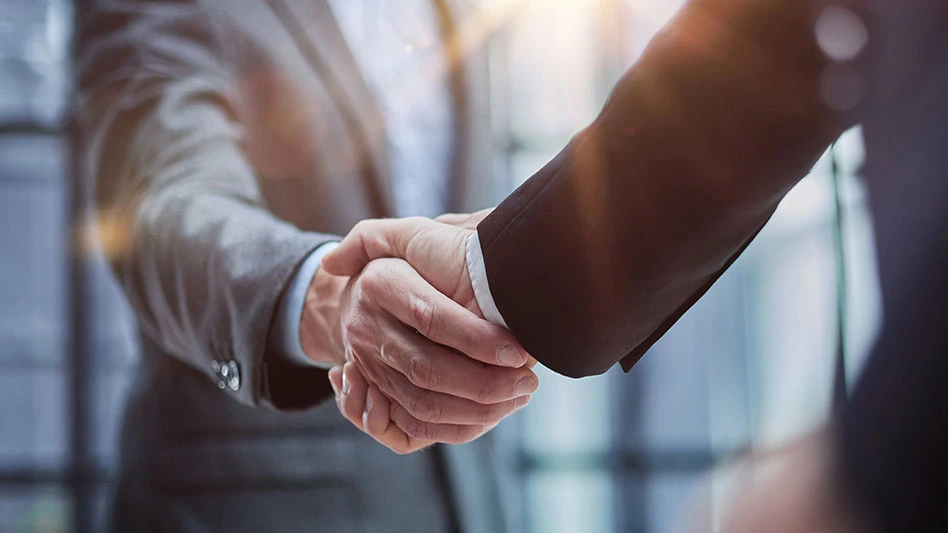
{"x":201,"y":259}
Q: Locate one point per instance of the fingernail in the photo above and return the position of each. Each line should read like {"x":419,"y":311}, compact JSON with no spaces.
{"x":524,"y":387}
{"x":509,"y":356}
{"x":522,"y":402}
{"x":333,"y":385}
{"x":345,"y":384}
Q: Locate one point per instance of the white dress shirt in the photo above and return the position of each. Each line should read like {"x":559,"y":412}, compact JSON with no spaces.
{"x":477,"y":270}
{"x":398,"y":47}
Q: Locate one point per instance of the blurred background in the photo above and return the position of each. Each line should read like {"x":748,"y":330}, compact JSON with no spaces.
{"x":751,"y":364}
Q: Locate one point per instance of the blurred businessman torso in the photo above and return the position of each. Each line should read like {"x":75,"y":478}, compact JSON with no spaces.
{"x":347,"y":110}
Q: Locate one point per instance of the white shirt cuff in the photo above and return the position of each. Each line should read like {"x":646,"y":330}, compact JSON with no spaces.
{"x":477,"y":270}
{"x":290,"y":312}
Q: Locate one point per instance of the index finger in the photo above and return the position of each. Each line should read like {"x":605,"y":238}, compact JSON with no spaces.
{"x":414,"y":302}
{"x":436,"y":368}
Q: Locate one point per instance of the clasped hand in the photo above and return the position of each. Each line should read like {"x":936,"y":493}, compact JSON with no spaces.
{"x":417,"y":364}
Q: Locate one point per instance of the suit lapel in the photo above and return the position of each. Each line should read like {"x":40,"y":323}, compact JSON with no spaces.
{"x":317,"y":35}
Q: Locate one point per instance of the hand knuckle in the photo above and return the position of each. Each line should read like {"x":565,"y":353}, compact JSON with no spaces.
{"x":370,"y":282}
{"x":354,"y":327}
{"x":416,"y":429}
{"x":485,"y":392}
{"x":420,"y":371}
{"x":383,"y":380}
{"x":422,"y":407}
{"x":425,"y":315}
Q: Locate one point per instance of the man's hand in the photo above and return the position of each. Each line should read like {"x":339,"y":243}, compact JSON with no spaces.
{"x":436,"y":249}
{"x":419,"y":367}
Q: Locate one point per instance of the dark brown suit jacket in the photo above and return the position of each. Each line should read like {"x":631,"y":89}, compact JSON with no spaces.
{"x":603,"y":250}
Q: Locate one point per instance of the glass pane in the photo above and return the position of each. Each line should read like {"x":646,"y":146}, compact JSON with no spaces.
{"x":568,"y":416}
{"x":34,"y":424}
{"x":553,"y":62}
{"x":670,"y":502}
{"x":567,"y":502}
{"x":690,"y":392}
{"x":34,"y":37}
{"x":864,"y":295}
{"x":38,"y":510}
{"x":32,"y":266}
{"x":525,"y":164}
{"x":792,"y":323}
{"x":640,"y":21}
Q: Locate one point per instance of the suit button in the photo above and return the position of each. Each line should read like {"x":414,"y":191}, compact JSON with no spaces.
{"x":228,"y":374}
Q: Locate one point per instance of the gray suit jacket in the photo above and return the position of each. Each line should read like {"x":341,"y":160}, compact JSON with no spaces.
{"x":224,"y":141}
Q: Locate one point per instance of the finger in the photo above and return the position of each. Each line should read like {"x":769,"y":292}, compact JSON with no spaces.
{"x":376,"y":419}
{"x":378,"y":424}
{"x":352,"y":399}
{"x":436,"y":368}
{"x":414,"y":302}
{"x":335,"y":379}
{"x":439,"y":408}
{"x":373,"y":239}
{"x":430,"y":432}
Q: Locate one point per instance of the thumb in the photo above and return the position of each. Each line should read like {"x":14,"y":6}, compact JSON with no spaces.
{"x":372,"y":239}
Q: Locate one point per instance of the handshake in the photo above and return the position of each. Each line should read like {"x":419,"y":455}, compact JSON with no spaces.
{"x":392,"y":308}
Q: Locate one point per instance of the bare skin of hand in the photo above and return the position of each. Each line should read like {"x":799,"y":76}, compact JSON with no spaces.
{"x":437,"y":371}
{"x":435,"y":249}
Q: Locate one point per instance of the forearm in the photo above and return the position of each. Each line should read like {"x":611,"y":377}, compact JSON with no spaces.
{"x":200,"y":258}
{"x":320,"y":329}
{"x":307,"y":326}
{"x":617,"y":237}
{"x":204,"y":276}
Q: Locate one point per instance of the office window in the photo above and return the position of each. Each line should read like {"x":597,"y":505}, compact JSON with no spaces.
{"x":34,"y":380}
{"x":61,"y":390}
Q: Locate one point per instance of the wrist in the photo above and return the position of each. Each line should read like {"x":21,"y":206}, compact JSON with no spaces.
{"x":462,"y":290}
{"x":320,"y":323}
{"x":466,"y":293}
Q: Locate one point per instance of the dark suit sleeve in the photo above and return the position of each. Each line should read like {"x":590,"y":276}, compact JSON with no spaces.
{"x":604,"y":249}
{"x":202,"y":260}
